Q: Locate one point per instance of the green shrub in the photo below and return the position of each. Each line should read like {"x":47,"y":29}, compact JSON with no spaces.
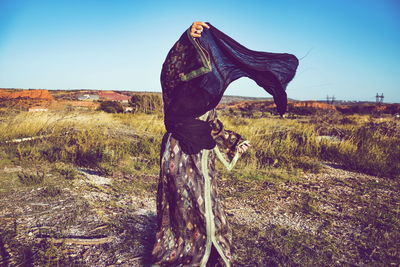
{"x":67,"y":171}
{"x":50,"y":191}
{"x":308,"y":164}
{"x":240,"y":121}
{"x":105,"y":168}
{"x":30,"y":179}
{"x":111,"y":107}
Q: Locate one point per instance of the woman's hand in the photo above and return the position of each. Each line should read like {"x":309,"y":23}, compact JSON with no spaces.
{"x":197,"y":28}
{"x":243,"y":147}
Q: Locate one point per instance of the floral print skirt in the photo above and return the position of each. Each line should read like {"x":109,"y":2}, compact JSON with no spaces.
{"x":191,"y":221}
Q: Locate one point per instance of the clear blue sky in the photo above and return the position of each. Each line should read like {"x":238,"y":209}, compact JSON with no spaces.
{"x":353,"y":45}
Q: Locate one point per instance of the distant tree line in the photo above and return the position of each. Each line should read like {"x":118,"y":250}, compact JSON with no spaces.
{"x":146,"y":103}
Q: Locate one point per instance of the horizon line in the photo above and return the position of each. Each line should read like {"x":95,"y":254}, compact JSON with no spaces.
{"x":160,"y":92}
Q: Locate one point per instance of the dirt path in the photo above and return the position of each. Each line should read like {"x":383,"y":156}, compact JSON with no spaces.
{"x":319,"y":219}
{"x":88,"y":224}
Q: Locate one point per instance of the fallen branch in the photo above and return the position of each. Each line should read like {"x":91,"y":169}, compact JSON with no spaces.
{"x":81,"y":241}
{"x":27,"y":139}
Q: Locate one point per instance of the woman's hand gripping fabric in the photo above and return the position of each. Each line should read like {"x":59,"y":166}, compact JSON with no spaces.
{"x":243,"y":147}
{"x":197,"y":28}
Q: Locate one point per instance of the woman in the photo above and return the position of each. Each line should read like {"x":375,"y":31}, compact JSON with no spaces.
{"x":192,"y":226}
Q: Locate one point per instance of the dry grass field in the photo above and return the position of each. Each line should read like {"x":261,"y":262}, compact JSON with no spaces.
{"x":77,"y":188}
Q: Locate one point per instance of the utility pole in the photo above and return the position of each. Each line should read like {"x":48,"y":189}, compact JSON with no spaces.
{"x":330,"y":99}
{"x":379,"y":98}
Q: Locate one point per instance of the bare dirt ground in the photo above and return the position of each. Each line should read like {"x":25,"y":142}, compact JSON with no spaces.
{"x":337,"y":218}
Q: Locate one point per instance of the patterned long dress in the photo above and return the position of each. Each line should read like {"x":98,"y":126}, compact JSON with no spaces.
{"x":191,"y":220}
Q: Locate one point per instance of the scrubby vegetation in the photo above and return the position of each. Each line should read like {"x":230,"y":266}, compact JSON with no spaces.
{"x":358,"y":142}
{"x":93,"y":139}
{"x":103,"y":140}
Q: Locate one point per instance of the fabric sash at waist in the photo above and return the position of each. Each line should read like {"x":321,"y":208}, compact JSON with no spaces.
{"x":193,"y":134}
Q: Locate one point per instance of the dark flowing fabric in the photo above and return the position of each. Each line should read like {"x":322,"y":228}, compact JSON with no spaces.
{"x":192,"y":226}
{"x":197,"y":72}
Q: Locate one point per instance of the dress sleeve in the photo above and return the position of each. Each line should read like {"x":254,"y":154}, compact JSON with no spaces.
{"x":227,"y":141}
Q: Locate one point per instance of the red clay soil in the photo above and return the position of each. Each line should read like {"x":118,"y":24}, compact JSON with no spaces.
{"x":247,"y":105}
{"x":313,"y":104}
{"x":25,"y":94}
{"x":113,"y":96}
{"x":25,"y":99}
